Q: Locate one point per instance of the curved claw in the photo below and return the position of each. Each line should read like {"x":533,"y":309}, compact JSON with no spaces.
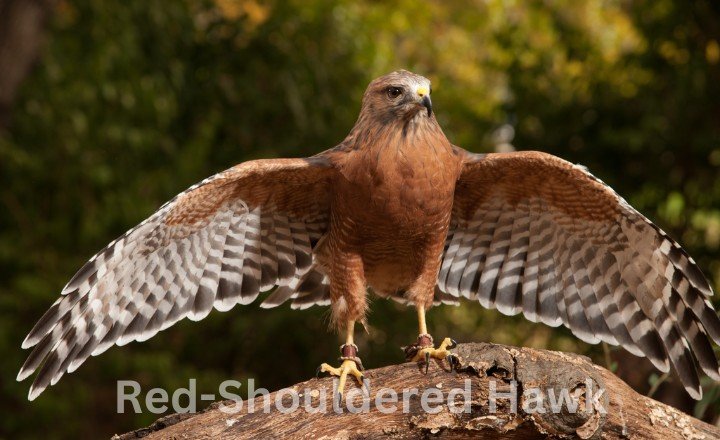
{"x":453,"y":343}
{"x":427,"y":361}
{"x":453,"y":361}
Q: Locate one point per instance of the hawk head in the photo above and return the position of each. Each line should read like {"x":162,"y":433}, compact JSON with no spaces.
{"x":400,"y":96}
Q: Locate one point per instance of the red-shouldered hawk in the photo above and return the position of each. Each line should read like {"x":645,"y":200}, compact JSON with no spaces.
{"x":397,"y":207}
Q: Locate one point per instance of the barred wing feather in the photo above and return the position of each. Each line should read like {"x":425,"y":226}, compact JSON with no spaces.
{"x":535,"y":234}
{"x":217,"y":244}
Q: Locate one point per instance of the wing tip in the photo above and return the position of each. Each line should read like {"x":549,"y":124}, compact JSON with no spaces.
{"x":267,"y":305}
{"x":197,"y":316}
{"x":74,"y":365}
{"x":247,"y":299}
{"x":34,"y":392}
{"x":224,"y":305}
{"x":29,"y":341}
{"x":661,"y":364}
{"x":712,"y":373}
{"x":23,"y":374}
{"x":694,"y":392}
{"x":299,"y":306}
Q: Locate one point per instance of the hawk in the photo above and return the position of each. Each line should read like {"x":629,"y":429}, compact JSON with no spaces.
{"x":398,"y":208}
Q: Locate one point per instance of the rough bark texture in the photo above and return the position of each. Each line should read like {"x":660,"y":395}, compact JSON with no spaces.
{"x":22,"y":29}
{"x":628,"y":415}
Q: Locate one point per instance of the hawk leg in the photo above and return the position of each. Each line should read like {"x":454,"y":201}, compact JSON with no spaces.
{"x":422,"y":350}
{"x":351,"y":363}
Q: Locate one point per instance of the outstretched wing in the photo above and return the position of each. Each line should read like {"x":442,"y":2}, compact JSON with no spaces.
{"x":219,"y":243}
{"x":533,"y":233}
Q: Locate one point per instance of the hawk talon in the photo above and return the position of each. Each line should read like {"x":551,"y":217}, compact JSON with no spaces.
{"x":421,"y":353}
{"x":321,"y":373}
{"x":348,"y":367}
{"x":453,"y":360}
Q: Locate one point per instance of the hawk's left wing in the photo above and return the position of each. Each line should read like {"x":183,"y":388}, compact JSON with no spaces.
{"x":217,"y":244}
{"x":535,"y":234}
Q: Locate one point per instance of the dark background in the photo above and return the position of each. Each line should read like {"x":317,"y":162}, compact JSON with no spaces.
{"x":109,"y":108}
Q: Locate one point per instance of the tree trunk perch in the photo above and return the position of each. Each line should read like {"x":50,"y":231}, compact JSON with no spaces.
{"x":628,"y":415}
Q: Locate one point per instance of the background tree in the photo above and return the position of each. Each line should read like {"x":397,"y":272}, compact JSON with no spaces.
{"x":22,"y":25}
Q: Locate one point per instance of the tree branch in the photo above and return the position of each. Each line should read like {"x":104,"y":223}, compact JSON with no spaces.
{"x":489,"y":370}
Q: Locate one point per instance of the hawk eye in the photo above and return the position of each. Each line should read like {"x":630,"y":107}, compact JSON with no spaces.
{"x":393,"y":92}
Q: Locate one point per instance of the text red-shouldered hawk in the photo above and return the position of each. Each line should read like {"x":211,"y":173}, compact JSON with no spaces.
{"x":396,"y":207}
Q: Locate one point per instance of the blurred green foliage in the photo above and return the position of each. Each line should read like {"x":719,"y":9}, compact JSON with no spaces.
{"x":133,"y":101}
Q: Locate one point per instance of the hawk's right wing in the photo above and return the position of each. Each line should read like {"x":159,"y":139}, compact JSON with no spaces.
{"x":219,"y":243}
{"x":535,"y":234}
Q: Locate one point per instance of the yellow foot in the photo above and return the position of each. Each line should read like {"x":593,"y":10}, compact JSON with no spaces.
{"x":348,"y":366}
{"x":423,"y":350}
{"x":351,"y":365}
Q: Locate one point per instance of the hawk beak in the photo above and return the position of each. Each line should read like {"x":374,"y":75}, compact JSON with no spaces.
{"x":427,"y":103}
